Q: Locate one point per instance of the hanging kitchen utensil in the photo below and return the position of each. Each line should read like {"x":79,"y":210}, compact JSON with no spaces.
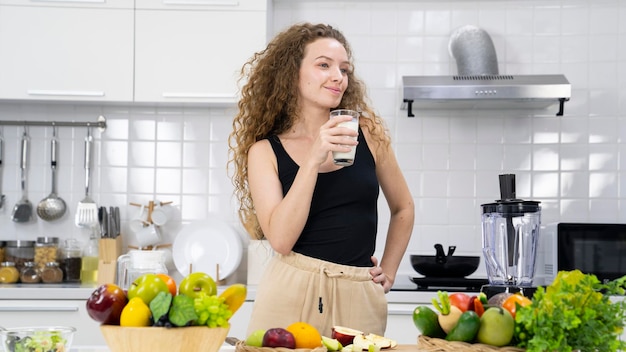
{"x":23,"y":210}
{"x":1,"y":157}
{"x":52,"y":207}
{"x":87,"y":211}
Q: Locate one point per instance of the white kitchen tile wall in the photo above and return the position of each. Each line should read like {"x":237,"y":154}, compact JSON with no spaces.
{"x":574,"y":164}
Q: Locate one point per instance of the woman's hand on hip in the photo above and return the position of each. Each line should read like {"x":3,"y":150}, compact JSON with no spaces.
{"x":379,"y":276}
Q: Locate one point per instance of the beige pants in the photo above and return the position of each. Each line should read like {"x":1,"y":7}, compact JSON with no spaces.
{"x":296,"y":288}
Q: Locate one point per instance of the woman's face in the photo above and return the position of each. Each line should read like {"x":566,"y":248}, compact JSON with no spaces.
{"x":323,"y":73}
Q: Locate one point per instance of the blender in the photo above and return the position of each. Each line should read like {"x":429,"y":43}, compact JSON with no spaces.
{"x":510,"y":232}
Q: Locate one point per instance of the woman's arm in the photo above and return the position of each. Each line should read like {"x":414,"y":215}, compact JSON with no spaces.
{"x":402,"y":208}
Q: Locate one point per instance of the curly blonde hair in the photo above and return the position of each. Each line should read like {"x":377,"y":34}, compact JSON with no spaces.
{"x":269,"y":104}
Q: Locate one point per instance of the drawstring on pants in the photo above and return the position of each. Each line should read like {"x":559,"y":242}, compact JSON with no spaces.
{"x":325,"y":274}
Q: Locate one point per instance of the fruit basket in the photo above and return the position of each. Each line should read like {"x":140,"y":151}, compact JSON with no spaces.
{"x":431,"y":344}
{"x":157,"y":339}
{"x":242,"y":347}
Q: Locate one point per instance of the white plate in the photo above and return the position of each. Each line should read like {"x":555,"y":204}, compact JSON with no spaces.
{"x":205,"y":244}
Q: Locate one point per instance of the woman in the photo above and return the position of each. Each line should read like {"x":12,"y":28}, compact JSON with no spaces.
{"x":320,"y":218}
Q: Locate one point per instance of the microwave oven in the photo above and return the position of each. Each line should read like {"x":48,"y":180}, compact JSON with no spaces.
{"x":593,"y":248}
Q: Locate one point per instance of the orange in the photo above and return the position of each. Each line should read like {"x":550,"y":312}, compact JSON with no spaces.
{"x":306,"y":335}
{"x":169,"y":281}
{"x":515,"y":300}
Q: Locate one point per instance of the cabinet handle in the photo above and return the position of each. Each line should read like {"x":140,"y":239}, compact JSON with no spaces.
{"x":400,"y":312}
{"x":74,"y":93}
{"x":202,"y":2}
{"x":91,"y":1}
{"x":38,"y":309}
{"x":197,"y":95}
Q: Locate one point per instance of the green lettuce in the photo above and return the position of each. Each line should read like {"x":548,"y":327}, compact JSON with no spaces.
{"x":575,"y":312}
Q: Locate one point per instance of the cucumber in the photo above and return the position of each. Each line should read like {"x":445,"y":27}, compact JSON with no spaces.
{"x":466,"y":329}
{"x":425,"y":319}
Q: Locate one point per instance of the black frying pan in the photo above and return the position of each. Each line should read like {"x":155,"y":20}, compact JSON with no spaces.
{"x":444,"y":265}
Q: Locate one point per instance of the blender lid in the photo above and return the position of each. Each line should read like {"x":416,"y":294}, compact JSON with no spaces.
{"x":512,"y":207}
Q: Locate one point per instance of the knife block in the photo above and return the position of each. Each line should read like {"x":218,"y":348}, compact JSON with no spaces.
{"x":109,"y":249}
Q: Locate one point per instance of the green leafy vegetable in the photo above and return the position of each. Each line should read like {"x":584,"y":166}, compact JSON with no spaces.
{"x":575,"y":312}
{"x":182,"y":312}
{"x":160,"y":305}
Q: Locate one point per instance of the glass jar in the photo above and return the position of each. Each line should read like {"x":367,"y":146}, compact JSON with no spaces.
{"x":70,"y":260}
{"x":30,"y":273}
{"x":19,"y":252}
{"x":8,"y":273}
{"x":89,"y":265}
{"x":51,"y":273}
{"x":46,"y":250}
{"x":2,"y":249}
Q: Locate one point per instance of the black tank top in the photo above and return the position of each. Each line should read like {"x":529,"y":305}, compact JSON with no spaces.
{"x":343,"y":219}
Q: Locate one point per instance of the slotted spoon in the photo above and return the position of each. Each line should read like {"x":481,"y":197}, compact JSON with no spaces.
{"x":52,"y":207}
{"x":87,"y":211}
{"x":23,"y":209}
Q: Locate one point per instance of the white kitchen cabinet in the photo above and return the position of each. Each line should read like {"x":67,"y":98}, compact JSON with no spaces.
{"x":239,"y":321}
{"x":194,"y":54}
{"x":16,"y":313}
{"x":400,"y":325}
{"x":79,"y":50}
{"x":219,"y":5}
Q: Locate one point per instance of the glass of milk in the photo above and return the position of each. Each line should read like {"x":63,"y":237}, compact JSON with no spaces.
{"x":346,"y":158}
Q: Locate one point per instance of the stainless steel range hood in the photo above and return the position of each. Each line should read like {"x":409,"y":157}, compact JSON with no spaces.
{"x":478,"y":84}
{"x":486,"y":92}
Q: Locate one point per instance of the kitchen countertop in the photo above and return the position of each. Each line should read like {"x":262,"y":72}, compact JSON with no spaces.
{"x":83,"y":291}
{"x":227,"y":348}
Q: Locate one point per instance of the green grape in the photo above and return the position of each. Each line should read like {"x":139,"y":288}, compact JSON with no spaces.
{"x":212,"y":311}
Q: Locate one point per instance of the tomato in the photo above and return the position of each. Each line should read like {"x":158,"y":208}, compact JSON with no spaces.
{"x":169,"y":281}
{"x":461,"y":301}
{"x":514,"y":301}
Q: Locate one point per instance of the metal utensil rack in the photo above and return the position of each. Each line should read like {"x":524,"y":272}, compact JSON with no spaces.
{"x":101,"y":123}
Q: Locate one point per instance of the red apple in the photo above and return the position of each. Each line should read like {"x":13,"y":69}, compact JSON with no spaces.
{"x":279,"y":337}
{"x":345,"y":335}
{"x":106,"y":303}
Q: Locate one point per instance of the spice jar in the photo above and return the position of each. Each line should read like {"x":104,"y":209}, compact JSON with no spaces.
{"x":29,"y":273}
{"x":46,"y":250}
{"x":70,"y":260}
{"x":51,"y":273}
{"x":8,"y":273}
{"x":19,"y":252}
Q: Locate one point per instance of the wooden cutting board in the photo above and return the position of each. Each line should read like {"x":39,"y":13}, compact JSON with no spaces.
{"x":405,"y":348}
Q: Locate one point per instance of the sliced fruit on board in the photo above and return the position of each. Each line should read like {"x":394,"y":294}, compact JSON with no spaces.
{"x":344,"y":334}
{"x":363,"y":342}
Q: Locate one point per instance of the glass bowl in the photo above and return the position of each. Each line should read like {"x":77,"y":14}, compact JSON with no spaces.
{"x":37,"y":338}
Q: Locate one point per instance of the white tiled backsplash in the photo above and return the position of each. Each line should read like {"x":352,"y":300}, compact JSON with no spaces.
{"x":574,"y":164}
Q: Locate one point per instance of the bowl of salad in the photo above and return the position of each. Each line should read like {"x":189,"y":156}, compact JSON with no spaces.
{"x":37,"y":338}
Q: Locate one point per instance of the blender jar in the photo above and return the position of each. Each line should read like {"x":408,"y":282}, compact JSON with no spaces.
{"x":510,"y":229}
